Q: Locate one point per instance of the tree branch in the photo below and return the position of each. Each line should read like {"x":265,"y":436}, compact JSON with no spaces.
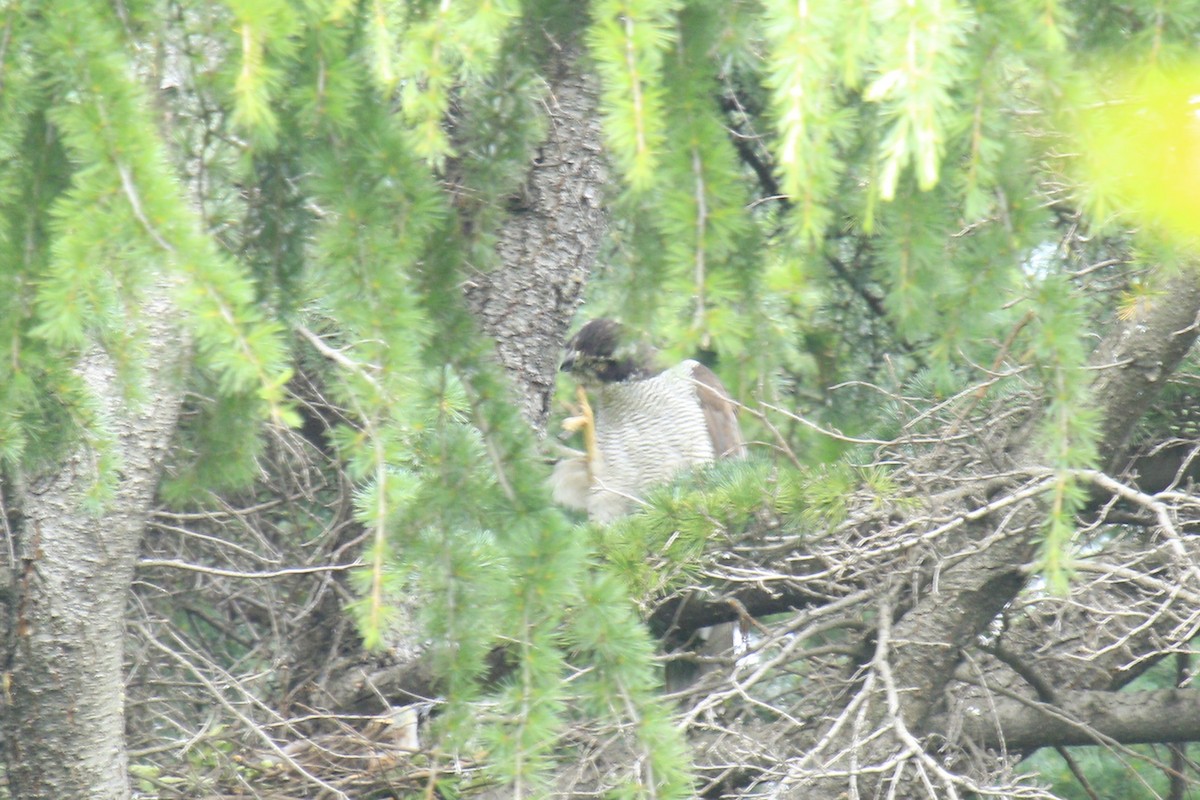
{"x":1084,"y":718}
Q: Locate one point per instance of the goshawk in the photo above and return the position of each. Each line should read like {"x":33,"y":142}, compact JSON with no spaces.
{"x":647,"y":425}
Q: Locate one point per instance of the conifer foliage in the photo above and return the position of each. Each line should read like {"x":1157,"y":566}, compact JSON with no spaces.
{"x":243,"y":251}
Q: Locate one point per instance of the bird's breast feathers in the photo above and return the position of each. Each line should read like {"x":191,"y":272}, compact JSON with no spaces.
{"x":647,"y":430}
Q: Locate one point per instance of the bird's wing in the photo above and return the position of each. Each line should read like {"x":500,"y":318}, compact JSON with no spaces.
{"x":720,"y":414}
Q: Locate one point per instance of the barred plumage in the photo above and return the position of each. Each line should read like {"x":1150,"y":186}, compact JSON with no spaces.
{"x":646,"y":431}
{"x":647,"y":426}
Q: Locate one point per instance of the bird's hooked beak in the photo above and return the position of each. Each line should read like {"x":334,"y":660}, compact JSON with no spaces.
{"x":568,"y":362}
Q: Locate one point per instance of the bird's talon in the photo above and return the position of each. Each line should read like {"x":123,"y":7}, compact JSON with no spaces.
{"x":585,"y":419}
{"x":584,"y":407}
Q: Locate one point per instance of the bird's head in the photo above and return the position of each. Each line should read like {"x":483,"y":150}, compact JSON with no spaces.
{"x":602,"y":352}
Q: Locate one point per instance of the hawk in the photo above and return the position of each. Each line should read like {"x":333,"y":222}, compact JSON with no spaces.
{"x":648,"y":424}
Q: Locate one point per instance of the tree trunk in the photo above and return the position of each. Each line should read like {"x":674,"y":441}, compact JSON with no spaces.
{"x":547,"y":247}
{"x":64,"y":717}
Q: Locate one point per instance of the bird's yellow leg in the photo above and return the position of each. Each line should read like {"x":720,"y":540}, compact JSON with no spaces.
{"x":585,"y":421}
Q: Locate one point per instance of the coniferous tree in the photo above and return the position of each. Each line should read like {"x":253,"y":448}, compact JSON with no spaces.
{"x":286,"y":281}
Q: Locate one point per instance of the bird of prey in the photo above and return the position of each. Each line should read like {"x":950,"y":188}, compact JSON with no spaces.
{"x":648,"y":424}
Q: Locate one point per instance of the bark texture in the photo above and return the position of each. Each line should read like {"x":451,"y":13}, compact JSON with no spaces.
{"x":66,"y":678}
{"x":1087,"y":717}
{"x":549,"y":243}
{"x":1136,"y":361}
